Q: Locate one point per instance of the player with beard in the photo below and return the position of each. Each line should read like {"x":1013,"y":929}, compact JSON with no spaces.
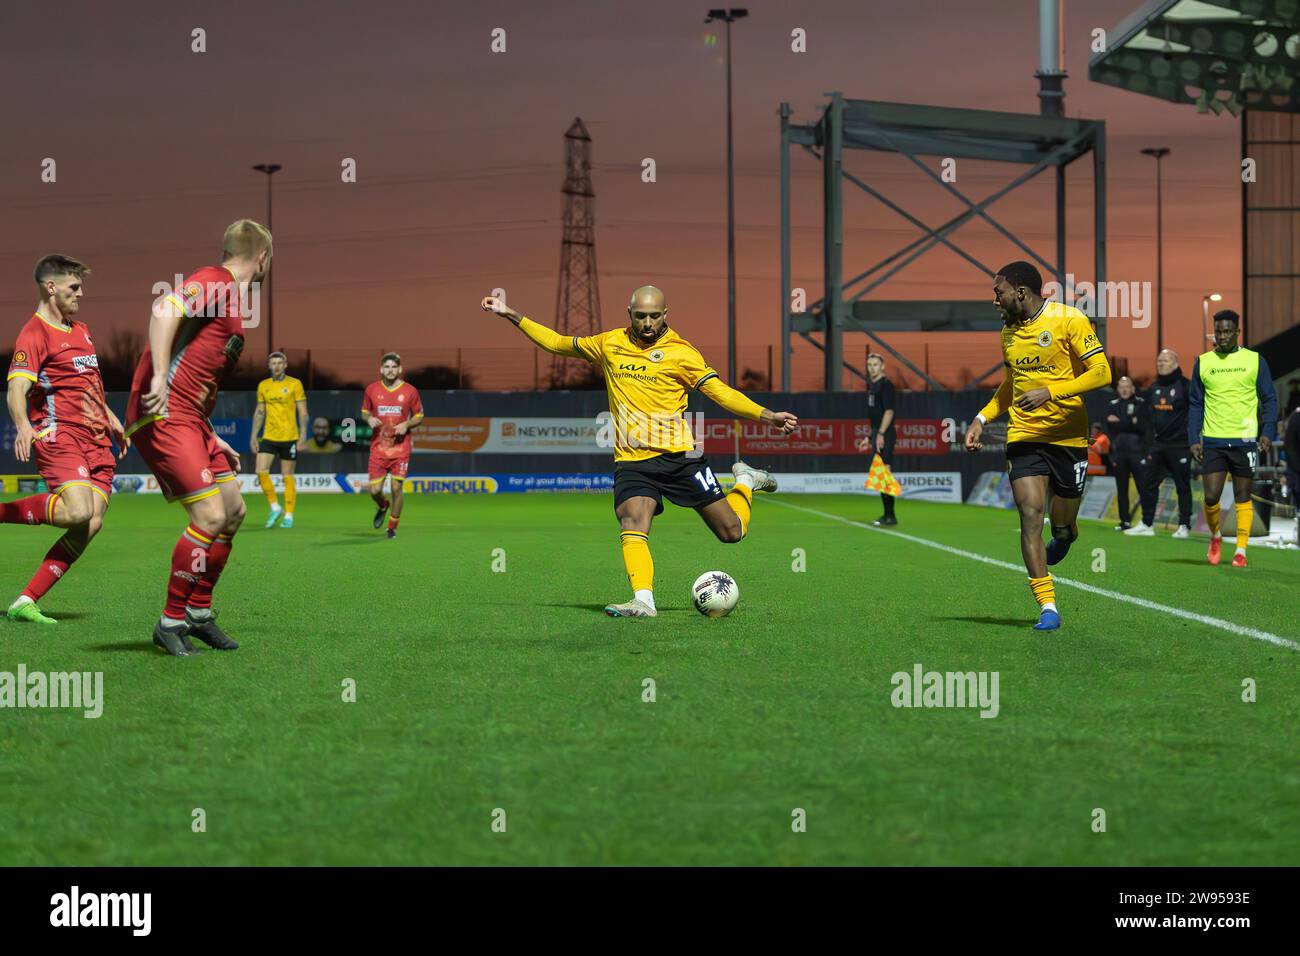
{"x":648,"y":369}
{"x":56,"y":400}
{"x":1052,"y":357}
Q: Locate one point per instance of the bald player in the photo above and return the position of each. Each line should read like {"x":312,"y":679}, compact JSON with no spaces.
{"x":1169,"y":453}
{"x":648,"y":370}
{"x":1127,"y":421}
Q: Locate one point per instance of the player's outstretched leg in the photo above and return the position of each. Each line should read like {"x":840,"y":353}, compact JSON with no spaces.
{"x":80,"y":509}
{"x":635,"y":515}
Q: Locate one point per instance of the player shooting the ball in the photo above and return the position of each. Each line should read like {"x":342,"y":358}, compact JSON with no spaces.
{"x":648,"y":368}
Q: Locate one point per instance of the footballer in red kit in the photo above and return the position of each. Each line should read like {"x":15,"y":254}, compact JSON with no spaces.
{"x":56,"y":400}
{"x":392,"y":408}
{"x":196,"y":335}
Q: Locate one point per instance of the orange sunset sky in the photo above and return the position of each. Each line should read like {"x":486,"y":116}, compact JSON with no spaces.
{"x":459,"y":155}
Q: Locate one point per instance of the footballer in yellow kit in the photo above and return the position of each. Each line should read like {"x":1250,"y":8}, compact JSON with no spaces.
{"x":1052,"y":357}
{"x":282,"y":411}
{"x":648,"y":369}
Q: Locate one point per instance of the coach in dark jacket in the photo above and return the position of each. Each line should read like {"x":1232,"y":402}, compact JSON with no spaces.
{"x":1169,"y":453}
{"x":1127,"y":421}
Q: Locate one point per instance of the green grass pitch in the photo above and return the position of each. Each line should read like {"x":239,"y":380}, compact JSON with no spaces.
{"x":479,"y":690}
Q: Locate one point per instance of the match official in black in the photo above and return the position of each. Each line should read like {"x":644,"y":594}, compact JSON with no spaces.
{"x":880,"y":411}
{"x":1170,"y":454}
{"x":1127,"y":421}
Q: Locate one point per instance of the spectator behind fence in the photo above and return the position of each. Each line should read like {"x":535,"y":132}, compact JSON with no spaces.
{"x":322,"y":440}
{"x":1098,"y":451}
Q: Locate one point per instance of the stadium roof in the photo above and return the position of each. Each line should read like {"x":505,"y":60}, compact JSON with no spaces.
{"x":1221,"y":55}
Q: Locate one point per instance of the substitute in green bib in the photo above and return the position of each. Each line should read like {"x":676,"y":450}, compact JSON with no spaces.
{"x":1231,"y":418}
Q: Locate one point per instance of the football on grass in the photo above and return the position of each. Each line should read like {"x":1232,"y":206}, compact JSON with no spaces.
{"x":715,"y":593}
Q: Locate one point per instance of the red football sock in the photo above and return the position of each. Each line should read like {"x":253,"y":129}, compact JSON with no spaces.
{"x":31,"y":510}
{"x":55,"y":565}
{"x":189,"y":565}
{"x":201,"y":596}
{"x":392,"y":522}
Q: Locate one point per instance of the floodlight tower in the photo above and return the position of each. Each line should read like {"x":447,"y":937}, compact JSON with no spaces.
{"x":577,"y":302}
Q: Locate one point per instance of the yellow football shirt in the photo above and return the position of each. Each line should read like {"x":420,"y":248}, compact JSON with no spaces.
{"x":1047,"y":350}
{"x":281,"y":400}
{"x":647,"y":390}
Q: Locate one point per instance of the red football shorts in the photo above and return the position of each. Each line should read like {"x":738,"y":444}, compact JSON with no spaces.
{"x":184,"y":457}
{"x":381,"y":465}
{"x":72,"y":460}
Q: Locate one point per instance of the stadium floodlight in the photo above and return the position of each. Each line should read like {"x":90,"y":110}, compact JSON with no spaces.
{"x":1205,"y":313}
{"x":729,"y":16}
{"x":270,"y":169}
{"x":1159,"y":152}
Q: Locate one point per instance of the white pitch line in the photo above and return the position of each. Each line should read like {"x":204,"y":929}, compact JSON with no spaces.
{"x":1091,"y":589}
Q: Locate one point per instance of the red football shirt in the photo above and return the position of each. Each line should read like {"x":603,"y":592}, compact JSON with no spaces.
{"x":67,"y":392}
{"x":207,"y":345}
{"x":391,"y":406}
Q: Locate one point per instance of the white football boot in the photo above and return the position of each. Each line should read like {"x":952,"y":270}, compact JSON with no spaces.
{"x":633,"y":608}
{"x":1141,"y":530}
{"x":1183,"y":532}
{"x":763,"y":480}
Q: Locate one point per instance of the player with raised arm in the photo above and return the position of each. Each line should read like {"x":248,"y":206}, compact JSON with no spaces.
{"x":392,"y":408}
{"x":56,"y":401}
{"x":1052,"y":357}
{"x":648,"y":369}
{"x":1232,"y":392}
{"x":196,"y":334}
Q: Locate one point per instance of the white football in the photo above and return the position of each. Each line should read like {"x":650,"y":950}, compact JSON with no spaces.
{"x":715,"y":593}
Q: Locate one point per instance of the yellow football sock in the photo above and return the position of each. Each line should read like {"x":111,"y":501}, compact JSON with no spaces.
{"x":741,"y":499}
{"x":1044,"y":590}
{"x":636,"y":558}
{"x":290,"y":493}
{"x":1245,"y":516}
{"x":268,"y":488}
{"x":1212,"y":516}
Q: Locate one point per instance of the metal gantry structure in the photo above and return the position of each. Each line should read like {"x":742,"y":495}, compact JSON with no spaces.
{"x":1240,"y":57}
{"x":577,"y":301}
{"x":1040,"y":142}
